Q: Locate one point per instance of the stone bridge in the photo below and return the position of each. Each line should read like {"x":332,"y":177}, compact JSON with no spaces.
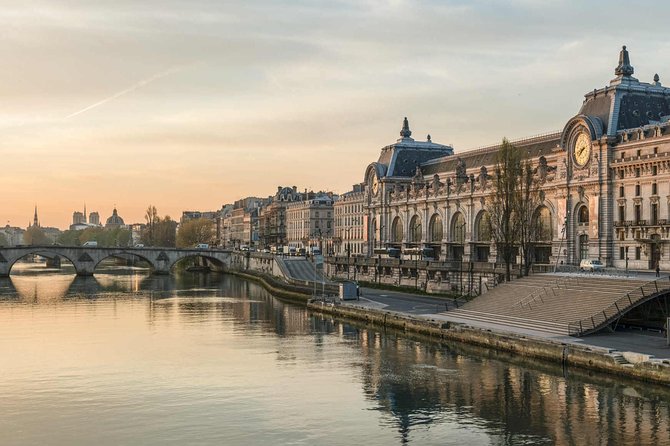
{"x":86,"y":258}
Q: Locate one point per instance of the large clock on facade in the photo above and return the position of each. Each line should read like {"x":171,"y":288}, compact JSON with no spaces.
{"x":582,"y":149}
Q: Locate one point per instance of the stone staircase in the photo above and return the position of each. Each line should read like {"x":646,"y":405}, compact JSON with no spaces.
{"x":546,"y":302}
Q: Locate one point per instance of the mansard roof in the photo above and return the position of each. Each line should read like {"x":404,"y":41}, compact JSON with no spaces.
{"x":486,"y":156}
{"x":626,"y":102}
{"x":402,"y":157}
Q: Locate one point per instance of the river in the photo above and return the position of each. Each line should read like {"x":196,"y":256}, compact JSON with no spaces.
{"x":125,"y":358}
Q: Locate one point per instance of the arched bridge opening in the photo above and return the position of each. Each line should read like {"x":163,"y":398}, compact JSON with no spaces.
{"x":198,"y":262}
{"x":124,"y":262}
{"x":38,"y":261}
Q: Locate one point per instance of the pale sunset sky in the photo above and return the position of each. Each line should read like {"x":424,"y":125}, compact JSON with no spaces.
{"x":188,"y":105}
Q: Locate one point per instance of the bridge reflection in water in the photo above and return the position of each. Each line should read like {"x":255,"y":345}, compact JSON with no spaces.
{"x":412,"y":392}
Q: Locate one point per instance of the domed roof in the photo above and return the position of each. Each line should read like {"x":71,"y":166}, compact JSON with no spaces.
{"x":115,"y":219}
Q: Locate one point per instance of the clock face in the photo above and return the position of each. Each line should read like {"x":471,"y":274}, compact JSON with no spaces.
{"x":582,"y":150}
{"x":375,"y":184}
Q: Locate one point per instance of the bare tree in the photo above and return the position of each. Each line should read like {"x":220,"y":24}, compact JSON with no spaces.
{"x":527,"y":222}
{"x":152,"y":219}
{"x":503,"y":202}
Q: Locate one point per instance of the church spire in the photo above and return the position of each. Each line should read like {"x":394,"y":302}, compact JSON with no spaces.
{"x":36,"y":221}
{"x":405,"y":132}
{"x":624,"y":68}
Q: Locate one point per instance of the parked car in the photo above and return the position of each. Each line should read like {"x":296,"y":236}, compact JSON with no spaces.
{"x":90,"y":243}
{"x":591,"y":265}
{"x":139,"y":245}
{"x":202,"y":246}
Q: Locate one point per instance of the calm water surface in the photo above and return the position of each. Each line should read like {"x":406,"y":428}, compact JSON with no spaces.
{"x":128,"y":358}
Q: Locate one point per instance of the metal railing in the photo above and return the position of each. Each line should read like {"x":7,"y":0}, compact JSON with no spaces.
{"x":618,"y":308}
{"x":538,"y":294}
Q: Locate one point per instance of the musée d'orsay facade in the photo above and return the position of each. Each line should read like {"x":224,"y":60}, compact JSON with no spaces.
{"x":605,"y":185}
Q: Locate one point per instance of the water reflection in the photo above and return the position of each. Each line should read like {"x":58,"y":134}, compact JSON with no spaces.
{"x":222,"y":354}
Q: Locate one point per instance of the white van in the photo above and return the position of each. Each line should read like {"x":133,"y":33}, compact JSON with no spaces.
{"x":91,"y":243}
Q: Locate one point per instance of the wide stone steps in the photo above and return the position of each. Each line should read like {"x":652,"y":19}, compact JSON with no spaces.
{"x":547,"y":299}
{"x":518,"y":322}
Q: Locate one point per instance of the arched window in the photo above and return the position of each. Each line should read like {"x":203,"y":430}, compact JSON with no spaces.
{"x":415,"y":229}
{"x":543,"y":224}
{"x":435,"y":228}
{"x":458,"y":228}
{"x":483,"y":231}
{"x":583,"y":215}
{"x":396,"y":230}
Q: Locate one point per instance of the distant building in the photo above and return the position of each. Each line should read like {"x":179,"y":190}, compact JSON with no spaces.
{"x":244,"y":222}
{"x":194,"y":215}
{"x":310,"y":221}
{"x":350,"y":222}
{"x":13,"y":235}
{"x":115,"y":221}
{"x":272,"y":217}
{"x":78,"y":218}
{"x":94,"y":219}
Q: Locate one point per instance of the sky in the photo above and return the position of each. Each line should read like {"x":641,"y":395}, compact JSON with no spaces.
{"x":188,"y":105}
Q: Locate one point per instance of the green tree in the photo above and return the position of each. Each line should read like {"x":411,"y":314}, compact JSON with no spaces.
{"x":192,"y":232}
{"x":69,"y":238}
{"x":503,"y":203}
{"x":166,"y":232}
{"x":35,"y":236}
{"x":109,"y":238}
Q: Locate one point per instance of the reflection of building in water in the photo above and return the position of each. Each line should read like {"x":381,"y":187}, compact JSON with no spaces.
{"x":418,"y":383}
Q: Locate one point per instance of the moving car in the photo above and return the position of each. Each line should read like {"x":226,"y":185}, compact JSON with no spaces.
{"x":202,"y":246}
{"x":591,"y":265}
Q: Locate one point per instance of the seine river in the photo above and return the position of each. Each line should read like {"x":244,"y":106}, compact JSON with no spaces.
{"x":124,"y":358}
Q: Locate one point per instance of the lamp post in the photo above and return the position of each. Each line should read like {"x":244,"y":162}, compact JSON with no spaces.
{"x":564,"y":230}
{"x":347,"y":230}
{"x":626,"y":260}
{"x":461,"y":235}
{"x":416,"y":254}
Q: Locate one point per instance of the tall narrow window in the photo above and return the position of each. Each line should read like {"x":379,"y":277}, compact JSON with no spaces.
{"x":621,"y":191}
{"x":638,"y":214}
{"x":654,"y":170}
{"x":637,"y":172}
{"x":637,"y":190}
{"x":654,"y":189}
{"x":622,"y":213}
{"x":654,"y":213}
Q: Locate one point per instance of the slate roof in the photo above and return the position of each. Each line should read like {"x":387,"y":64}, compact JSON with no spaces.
{"x":535,"y":147}
{"x":402,"y":158}
{"x":626,"y":102}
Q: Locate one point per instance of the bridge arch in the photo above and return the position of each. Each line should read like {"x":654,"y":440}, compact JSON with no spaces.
{"x":124,"y":252}
{"x":194,"y":255}
{"x":11,"y":261}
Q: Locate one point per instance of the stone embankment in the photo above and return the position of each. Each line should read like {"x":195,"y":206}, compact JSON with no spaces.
{"x":590,"y":358}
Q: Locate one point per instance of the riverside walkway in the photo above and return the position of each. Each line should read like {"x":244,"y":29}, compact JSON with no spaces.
{"x":438,"y":309}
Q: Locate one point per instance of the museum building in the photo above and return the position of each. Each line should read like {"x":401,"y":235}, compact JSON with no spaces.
{"x":604,"y":186}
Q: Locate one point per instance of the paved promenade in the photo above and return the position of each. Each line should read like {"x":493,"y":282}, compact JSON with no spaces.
{"x":436,"y":308}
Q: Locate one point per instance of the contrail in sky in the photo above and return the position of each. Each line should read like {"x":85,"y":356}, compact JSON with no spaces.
{"x":132,"y":88}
